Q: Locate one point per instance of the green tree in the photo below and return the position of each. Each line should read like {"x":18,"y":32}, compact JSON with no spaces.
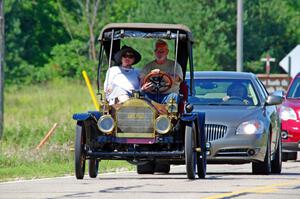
{"x":269,"y":29}
{"x":212,"y":24}
{"x":32,"y":29}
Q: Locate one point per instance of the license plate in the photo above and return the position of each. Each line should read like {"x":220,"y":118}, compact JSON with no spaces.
{"x":135,"y":116}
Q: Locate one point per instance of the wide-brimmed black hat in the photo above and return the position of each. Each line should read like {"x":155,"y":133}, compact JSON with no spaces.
{"x":126,"y":49}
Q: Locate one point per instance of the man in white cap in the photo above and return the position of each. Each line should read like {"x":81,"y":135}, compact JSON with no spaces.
{"x":162,"y":63}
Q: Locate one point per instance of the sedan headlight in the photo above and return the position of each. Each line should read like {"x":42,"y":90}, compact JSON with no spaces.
{"x":287,"y":113}
{"x":106,"y":123}
{"x":251,"y":127}
{"x":162,"y":124}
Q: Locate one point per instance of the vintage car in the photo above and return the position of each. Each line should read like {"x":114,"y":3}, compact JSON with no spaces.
{"x":145,"y":133}
{"x":290,"y":120}
{"x":242,"y":124}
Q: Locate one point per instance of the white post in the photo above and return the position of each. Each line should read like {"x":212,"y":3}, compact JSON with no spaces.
{"x":1,"y":66}
{"x":239,"y":37}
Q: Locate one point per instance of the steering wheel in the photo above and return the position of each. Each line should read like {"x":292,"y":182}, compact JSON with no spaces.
{"x":161,"y":82}
{"x":235,"y":98}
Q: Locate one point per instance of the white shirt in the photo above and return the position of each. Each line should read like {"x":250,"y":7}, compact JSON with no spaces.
{"x":122,"y":78}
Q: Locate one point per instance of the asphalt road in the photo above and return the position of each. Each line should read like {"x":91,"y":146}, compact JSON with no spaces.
{"x":222,"y":181}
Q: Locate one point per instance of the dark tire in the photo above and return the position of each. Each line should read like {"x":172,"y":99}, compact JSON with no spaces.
{"x":263,"y":168}
{"x":93,"y":168}
{"x":201,"y":164}
{"x":79,"y":152}
{"x":276,"y":163}
{"x":293,"y":156}
{"x":289,"y":156}
{"x":162,"y":167}
{"x":190,"y":154}
{"x":147,"y":168}
{"x":201,"y":156}
{"x":284,"y":156}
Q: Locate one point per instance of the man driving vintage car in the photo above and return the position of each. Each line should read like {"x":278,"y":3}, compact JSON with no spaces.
{"x":161,"y":78}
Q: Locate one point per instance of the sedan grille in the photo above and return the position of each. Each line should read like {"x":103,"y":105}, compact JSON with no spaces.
{"x":214,"y":132}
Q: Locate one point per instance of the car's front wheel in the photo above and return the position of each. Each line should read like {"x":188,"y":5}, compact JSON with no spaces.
{"x":264,"y":167}
{"x":190,"y":153}
{"x":79,"y":152}
{"x":277,"y":162}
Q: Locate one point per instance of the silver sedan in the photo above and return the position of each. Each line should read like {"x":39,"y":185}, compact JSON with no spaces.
{"x":242,"y":124}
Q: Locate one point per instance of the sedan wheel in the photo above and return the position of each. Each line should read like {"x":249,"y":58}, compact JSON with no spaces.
{"x":277,"y":162}
{"x":292,"y":155}
{"x":289,"y":156}
{"x":264,"y":167}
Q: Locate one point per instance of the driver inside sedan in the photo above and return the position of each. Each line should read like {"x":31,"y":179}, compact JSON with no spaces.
{"x":238,"y":91}
{"x":161,"y":77}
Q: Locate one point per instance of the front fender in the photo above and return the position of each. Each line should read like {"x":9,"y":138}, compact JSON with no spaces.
{"x":85,"y":116}
{"x":198,"y":119}
{"x":188,"y":117}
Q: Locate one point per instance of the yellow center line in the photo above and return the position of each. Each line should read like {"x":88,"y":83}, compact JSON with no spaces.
{"x":260,"y":189}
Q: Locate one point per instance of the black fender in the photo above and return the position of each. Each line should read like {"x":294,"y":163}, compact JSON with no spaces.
{"x":80,"y":117}
{"x":89,"y":122}
{"x":199,"y":119}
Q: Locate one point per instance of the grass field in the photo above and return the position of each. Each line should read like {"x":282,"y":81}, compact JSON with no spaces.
{"x":29,"y":113}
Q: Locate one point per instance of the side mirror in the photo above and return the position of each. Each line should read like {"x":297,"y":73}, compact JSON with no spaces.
{"x":273,"y":100}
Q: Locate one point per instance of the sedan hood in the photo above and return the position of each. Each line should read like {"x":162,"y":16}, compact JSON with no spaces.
{"x":293,"y":103}
{"x":229,"y":115}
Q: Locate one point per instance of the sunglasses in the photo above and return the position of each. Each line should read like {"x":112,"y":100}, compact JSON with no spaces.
{"x":130,"y":56}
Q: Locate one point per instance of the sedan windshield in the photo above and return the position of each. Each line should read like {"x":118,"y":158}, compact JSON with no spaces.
{"x":294,"y":91}
{"x":224,"y":92}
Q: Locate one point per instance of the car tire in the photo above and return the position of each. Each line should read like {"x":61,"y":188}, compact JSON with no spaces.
{"x":93,"y":168}
{"x":263,"y":168}
{"x":201,"y":156}
{"x":293,"y":156}
{"x":289,"y":156}
{"x":79,"y":152}
{"x":284,"y":156}
{"x":147,"y":168}
{"x":276,"y":164}
{"x":190,"y":154}
{"x":162,"y":167}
